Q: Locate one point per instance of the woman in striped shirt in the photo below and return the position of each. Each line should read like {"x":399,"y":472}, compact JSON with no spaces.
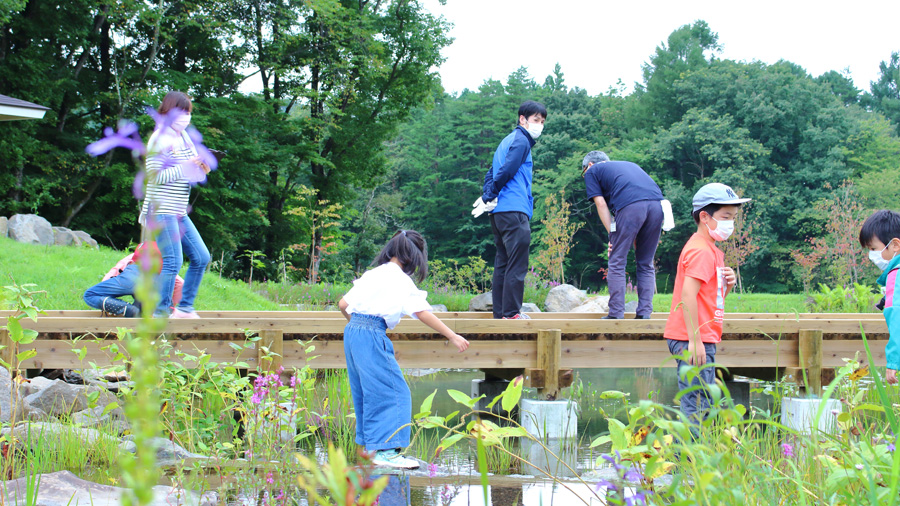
{"x":172,"y":160}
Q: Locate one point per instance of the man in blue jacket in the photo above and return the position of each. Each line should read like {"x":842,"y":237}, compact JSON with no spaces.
{"x":506,"y":195}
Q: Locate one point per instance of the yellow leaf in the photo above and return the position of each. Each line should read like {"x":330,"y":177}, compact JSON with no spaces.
{"x":663,"y":468}
{"x":860,"y":373}
{"x":639,"y":436}
{"x":666,"y":439}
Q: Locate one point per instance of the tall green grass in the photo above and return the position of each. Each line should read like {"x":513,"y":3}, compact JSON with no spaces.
{"x":64,"y":273}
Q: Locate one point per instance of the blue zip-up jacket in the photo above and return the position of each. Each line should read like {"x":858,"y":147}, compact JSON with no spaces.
{"x":891,"y":282}
{"x":509,"y":178}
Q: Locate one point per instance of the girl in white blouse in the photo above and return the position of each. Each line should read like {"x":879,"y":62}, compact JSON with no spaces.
{"x":378,"y":299}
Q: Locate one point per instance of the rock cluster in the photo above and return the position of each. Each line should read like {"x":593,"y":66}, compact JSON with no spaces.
{"x":560,"y":299}
{"x":32,"y":229}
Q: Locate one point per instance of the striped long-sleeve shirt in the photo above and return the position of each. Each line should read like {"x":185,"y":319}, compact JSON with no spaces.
{"x":168,"y":190}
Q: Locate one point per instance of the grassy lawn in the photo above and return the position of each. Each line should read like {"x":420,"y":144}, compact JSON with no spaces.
{"x":744,"y":302}
{"x":66,"y":272}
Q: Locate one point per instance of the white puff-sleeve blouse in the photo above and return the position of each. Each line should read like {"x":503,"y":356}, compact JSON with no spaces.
{"x":388,"y":292}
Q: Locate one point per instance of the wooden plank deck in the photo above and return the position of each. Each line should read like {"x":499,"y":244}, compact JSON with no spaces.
{"x":750,"y":339}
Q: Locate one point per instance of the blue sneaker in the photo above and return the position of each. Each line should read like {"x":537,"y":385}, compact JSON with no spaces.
{"x":392,"y":458}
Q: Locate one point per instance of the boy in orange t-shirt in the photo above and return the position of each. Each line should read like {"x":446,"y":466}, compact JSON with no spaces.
{"x":701,"y":285}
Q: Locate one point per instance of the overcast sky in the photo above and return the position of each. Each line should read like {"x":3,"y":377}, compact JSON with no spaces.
{"x":598,"y":42}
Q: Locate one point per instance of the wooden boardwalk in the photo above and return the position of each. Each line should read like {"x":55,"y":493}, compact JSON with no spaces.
{"x":750,"y":339}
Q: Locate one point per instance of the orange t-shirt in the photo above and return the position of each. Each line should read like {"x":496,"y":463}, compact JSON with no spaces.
{"x":701,"y":260}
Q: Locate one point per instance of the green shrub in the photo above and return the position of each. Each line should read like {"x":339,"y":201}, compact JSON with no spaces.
{"x":859,"y":299}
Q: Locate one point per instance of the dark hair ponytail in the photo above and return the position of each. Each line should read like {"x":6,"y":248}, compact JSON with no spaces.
{"x":409,"y":247}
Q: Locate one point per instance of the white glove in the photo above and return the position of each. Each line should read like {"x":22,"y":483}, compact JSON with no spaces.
{"x":481,"y":207}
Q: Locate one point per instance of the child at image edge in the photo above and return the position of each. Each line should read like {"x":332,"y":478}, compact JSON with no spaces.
{"x":880,"y":234}
{"x":701,"y":285}
{"x":378,"y":299}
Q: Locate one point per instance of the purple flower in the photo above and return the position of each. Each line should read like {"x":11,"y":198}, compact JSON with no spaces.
{"x":269,"y":478}
{"x":126,"y":137}
{"x":787,"y":450}
{"x":633,"y":475}
{"x":432,"y":470}
{"x":137,"y":188}
{"x":205,"y":154}
{"x":608,"y":485}
{"x":859,"y":467}
{"x":640,"y":498}
{"x":891,"y":447}
{"x":165,"y":120}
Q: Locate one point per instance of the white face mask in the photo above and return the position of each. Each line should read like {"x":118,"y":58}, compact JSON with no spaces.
{"x":535,"y":129}
{"x":181,"y":122}
{"x":878,"y":260}
{"x":723,"y":230}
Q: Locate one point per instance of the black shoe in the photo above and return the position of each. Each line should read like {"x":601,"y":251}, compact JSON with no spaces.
{"x":609,"y":317}
{"x":642,"y":317}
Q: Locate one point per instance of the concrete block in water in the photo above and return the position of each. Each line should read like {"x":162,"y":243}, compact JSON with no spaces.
{"x":800,"y":414}
{"x":549,"y":419}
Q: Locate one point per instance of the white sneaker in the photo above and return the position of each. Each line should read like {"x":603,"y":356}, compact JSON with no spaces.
{"x":391,"y":458}
{"x":183,"y":314}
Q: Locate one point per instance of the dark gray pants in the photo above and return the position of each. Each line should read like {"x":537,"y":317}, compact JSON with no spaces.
{"x":638,"y":224}
{"x":512,"y":236}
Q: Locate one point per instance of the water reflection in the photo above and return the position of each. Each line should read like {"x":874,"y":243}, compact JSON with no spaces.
{"x":413,"y":491}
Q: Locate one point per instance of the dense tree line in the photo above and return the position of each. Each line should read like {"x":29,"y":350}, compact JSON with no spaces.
{"x":351,"y":135}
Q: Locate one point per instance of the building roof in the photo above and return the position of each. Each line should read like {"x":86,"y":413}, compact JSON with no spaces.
{"x":13,"y":109}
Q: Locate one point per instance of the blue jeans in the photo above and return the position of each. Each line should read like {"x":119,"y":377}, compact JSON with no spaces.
{"x":179,"y":237}
{"x":381,"y":397}
{"x":638,"y":224}
{"x":105,"y":294}
{"x":695,"y":404}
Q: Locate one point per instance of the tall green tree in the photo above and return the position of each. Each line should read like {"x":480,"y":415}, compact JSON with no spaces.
{"x":687,"y":49}
{"x":884,"y":94}
{"x":347,"y":72}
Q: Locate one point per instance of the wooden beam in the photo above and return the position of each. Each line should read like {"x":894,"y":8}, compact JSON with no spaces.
{"x":535,"y":378}
{"x":468,"y":315}
{"x":810,"y":358}
{"x":270,"y":350}
{"x":549,"y":345}
{"x":508,"y":354}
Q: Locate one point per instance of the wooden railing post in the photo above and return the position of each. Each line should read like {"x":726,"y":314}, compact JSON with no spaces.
{"x":273,"y":341}
{"x":810,"y":348}
{"x":549,"y":348}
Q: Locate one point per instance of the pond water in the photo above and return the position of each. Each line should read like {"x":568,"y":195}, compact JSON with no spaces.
{"x":453,"y":478}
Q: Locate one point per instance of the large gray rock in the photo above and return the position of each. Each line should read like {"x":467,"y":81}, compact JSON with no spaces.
{"x":30,"y":229}
{"x":51,"y":433}
{"x":62,"y":236}
{"x":482,"y":302}
{"x":439,"y":308}
{"x":33,"y":385}
{"x":598,"y":304}
{"x":169,"y":451}
{"x":6,"y":399}
{"x":564,"y":298}
{"x":63,"y":488}
{"x":94,"y":418}
{"x":631,"y":306}
{"x":61,"y":398}
{"x":86,"y":239}
{"x":530,"y":307}
{"x":4,"y":226}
